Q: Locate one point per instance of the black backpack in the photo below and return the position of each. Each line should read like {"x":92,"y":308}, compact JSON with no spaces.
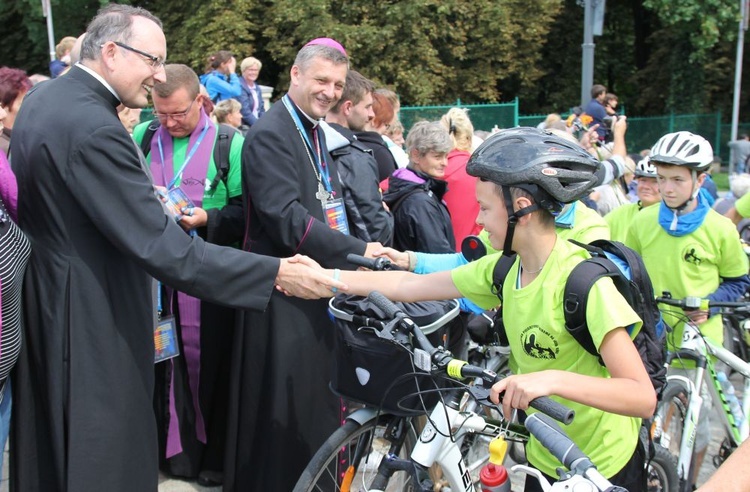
{"x":608,"y":259}
{"x":221,"y":149}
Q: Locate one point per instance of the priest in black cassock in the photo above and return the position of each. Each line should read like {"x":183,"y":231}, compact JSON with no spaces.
{"x":281,"y":409}
{"x":83,"y":387}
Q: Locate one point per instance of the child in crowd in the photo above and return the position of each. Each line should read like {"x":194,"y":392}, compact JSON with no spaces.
{"x":647,"y":188}
{"x":525,"y":176}
{"x":688,"y":248}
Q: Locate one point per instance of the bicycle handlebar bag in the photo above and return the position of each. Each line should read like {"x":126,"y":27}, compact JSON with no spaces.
{"x":379,"y":373}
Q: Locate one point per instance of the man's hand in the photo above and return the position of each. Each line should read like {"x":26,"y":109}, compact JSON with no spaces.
{"x":192,"y":217}
{"x":302,"y":277}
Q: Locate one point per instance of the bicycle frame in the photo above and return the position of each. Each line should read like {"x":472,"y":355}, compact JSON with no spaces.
{"x":700,"y":350}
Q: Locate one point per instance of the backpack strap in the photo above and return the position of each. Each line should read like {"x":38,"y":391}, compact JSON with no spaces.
{"x":148,"y":135}
{"x":499,"y":274}
{"x":221,"y":154}
{"x":575,"y":300}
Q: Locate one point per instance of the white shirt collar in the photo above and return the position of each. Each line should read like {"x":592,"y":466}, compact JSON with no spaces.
{"x":99,"y":78}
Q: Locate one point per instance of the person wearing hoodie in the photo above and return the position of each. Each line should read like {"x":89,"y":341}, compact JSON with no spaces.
{"x":415,"y":193}
{"x":358,"y":168}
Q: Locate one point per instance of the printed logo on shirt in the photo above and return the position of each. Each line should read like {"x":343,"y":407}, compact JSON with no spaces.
{"x":539,"y":343}
{"x":693,"y":254}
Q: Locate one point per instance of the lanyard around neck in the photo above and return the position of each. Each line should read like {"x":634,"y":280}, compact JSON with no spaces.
{"x":315,"y":153}
{"x":189,"y":156}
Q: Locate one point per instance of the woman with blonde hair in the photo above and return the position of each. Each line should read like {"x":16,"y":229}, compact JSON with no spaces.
{"x":461,"y":186}
{"x":227,"y":112}
{"x":251,"y":97}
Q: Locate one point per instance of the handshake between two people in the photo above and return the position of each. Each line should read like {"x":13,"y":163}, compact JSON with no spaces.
{"x":301,"y":276}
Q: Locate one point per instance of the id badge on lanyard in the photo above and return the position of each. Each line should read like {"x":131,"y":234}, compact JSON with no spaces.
{"x":166,"y":345}
{"x":165,"y":339}
{"x":335,"y":215}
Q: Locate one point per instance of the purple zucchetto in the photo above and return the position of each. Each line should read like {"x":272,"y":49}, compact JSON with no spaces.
{"x":331,"y":43}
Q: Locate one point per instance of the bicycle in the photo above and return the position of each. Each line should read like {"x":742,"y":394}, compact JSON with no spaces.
{"x":485,"y":352}
{"x":677,"y":414}
{"x":371,"y":447}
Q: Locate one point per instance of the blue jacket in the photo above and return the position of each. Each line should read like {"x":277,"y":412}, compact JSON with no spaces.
{"x":219,"y":88}
{"x":248,"y":104}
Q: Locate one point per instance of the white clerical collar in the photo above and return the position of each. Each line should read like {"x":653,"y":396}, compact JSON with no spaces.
{"x":310,"y":119}
{"x":99,"y":78}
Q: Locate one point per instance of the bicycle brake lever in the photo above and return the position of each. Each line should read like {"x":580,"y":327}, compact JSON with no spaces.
{"x":481,"y":395}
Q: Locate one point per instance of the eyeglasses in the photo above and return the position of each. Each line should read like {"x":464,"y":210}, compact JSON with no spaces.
{"x":154,"y":61}
{"x":177,"y":117}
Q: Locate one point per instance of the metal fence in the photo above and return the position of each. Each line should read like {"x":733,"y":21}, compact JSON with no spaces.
{"x":642,"y":133}
{"x":483,"y":116}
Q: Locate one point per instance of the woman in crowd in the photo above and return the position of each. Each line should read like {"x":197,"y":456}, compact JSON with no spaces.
{"x":460,"y":185}
{"x":373,"y":137}
{"x":220,"y":80}
{"x":14,"y":84}
{"x":251,"y":97}
{"x":415,"y":193}
{"x":227,"y":112}
{"x":14,"y":254}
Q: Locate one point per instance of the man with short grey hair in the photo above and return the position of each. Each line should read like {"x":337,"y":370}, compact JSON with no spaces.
{"x":281,"y":363}
{"x":84,"y":383}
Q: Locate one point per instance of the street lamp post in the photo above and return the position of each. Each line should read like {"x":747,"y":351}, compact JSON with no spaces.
{"x":744,"y":14}
{"x":47,"y":12}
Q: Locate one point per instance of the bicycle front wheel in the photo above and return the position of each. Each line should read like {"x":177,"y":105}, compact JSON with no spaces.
{"x":661,"y":472}
{"x":351,"y":457}
{"x":669,"y":426}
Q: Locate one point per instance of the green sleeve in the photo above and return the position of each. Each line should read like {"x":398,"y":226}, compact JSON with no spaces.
{"x":607,"y":310}
{"x":743,"y":205}
{"x":474,"y":281}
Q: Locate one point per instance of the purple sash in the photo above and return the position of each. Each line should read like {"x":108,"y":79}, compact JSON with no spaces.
{"x":193,"y":183}
{"x":193,"y":180}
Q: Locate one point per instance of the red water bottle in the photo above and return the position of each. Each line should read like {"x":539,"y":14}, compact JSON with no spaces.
{"x":493,"y":476}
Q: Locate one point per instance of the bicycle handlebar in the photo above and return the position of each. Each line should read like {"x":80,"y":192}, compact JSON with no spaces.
{"x":692,"y":303}
{"x":375,"y":264}
{"x":549,"y":434}
{"x":544,"y":404}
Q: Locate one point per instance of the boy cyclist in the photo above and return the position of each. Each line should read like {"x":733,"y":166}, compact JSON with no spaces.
{"x":620,"y":219}
{"x":525,"y":177}
{"x":688,"y":248}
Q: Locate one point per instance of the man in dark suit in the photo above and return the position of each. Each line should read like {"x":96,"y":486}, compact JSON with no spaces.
{"x":85,"y":378}
{"x":281,"y":409}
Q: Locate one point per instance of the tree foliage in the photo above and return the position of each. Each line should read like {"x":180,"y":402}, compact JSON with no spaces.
{"x":657,"y":55}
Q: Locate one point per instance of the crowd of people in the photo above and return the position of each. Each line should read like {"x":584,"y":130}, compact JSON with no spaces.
{"x":173,"y":312}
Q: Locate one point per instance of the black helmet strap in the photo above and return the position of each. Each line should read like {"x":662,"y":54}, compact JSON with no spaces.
{"x":513,"y":219}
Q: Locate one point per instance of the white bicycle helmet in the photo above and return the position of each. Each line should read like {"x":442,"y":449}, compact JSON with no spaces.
{"x":683,"y":149}
{"x":645,"y":168}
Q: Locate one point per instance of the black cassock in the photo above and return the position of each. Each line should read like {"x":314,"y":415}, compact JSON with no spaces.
{"x":281,"y":409}
{"x":83,"y":418}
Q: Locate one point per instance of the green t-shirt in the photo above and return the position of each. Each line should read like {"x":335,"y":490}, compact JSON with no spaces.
{"x":689,"y":265}
{"x":535,"y":325}
{"x":219,"y":196}
{"x":619,"y":220}
{"x":588,"y":226}
{"x":743,"y":205}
